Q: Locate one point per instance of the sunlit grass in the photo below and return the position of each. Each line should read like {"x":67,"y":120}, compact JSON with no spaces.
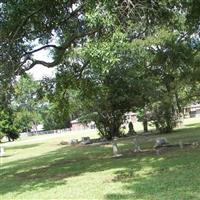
{"x":44,"y":169}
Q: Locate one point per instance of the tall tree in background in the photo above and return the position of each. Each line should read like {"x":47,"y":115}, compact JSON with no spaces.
{"x":64,"y":28}
{"x":26,"y":103}
{"x":7,"y":126}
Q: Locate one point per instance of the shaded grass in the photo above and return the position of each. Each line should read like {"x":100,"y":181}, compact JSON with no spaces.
{"x":174,"y":177}
{"x":51,"y":171}
{"x":27,"y":146}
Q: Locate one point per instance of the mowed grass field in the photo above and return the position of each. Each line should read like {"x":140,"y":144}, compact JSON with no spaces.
{"x":40,"y":168}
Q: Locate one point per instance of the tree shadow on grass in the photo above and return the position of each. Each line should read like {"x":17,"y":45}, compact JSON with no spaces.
{"x":53,"y":169}
{"x":188,"y":134}
{"x":175,"y":177}
{"x":23,"y":146}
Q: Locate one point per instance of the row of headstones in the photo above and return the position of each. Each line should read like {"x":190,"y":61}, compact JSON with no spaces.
{"x":84,"y":140}
{"x":87,"y":140}
{"x":116,"y":152}
{"x":160,"y":142}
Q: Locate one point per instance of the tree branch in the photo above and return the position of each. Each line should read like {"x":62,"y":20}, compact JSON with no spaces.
{"x":41,"y":62}
{"x":60,"y":50}
{"x":41,"y":48}
{"x":13,"y":34}
{"x":82,"y":69}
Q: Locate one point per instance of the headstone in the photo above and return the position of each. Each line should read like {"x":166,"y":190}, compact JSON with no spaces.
{"x":103,"y":139}
{"x":157,"y":152}
{"x":86,"y":140}
{"x":195,"y":144}
{"x":74,"y":142}
{"x":136,"y":145}
{"x":160,"y":142}
{"x":2,"y":152}
{"x":181,"y":144}
{"x":115,"y":149}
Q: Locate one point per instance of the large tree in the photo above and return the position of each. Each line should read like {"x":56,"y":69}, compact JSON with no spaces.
{"x":66,"y":27}
{"x":58,"y":26}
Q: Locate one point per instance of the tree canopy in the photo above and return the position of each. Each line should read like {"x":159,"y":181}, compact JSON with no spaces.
{"x":116,"y":55}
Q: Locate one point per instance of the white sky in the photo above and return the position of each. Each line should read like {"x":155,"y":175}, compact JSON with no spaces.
{"x":40,"y":71}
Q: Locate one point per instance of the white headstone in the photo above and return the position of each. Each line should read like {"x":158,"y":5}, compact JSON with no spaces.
{"x":136,"y":145}
{"x":2,"y":152}
{"x":181,"y":144}
{"x":73,"y":142}
{"x":115,"y":148}
{"x":160,"y":142}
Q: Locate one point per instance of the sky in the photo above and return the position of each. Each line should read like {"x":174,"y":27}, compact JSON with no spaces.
{"x":40,"y":71}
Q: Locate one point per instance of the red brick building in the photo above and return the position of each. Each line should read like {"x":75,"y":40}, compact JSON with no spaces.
{"x":76,"y":125}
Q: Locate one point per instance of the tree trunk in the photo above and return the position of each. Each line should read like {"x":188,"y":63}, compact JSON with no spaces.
{"x":145,"y":125}
{"x":9,"y":139}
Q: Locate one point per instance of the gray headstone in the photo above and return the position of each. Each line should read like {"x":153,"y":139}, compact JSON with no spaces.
{"x":88,"y":141}
{"x":157,"y":152}
{"x":103,"y":139}
{"x":181,"y":144}
{"x":136,"y":145}
{"x":74,"y":141}
{"x":115,"y":148}
{"x":160,"y":142}
{"x":2,"y":151}
{"x":195,"y":144}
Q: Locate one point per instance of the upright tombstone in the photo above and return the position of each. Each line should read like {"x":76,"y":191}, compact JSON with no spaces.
{"x":195,"y":144}
{"x":115,"y":148}
{"x":136,"y":145}
{"x":2,"y":151}
{"x":73,"y":142}
{"x":160,"y":142}
{"x":86,"y":140}
{"x":181,"y":144}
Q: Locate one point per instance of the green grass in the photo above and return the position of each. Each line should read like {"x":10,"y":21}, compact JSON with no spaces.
{"x":44,"y":169}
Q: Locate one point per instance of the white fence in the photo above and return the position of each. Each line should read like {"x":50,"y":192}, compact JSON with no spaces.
{"x":26,"y":134}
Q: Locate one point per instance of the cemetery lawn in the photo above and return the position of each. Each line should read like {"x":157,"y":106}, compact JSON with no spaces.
{"x":47,"y":170}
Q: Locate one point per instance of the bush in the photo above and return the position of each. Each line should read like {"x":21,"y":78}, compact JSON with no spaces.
{"x":12,"y":135}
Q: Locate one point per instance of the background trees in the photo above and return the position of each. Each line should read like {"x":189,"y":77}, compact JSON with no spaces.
{"x":115,"y":56}
{"x":26,"y":104}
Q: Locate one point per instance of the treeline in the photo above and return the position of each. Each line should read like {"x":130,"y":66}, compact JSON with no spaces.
{"x":111,"y":57}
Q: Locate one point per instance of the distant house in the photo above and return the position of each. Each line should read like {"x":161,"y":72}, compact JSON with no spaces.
{"x":192,"y":110}
{"x":131,"y":117}
{"x":76,"y":125}
{"x":37,"y":127}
